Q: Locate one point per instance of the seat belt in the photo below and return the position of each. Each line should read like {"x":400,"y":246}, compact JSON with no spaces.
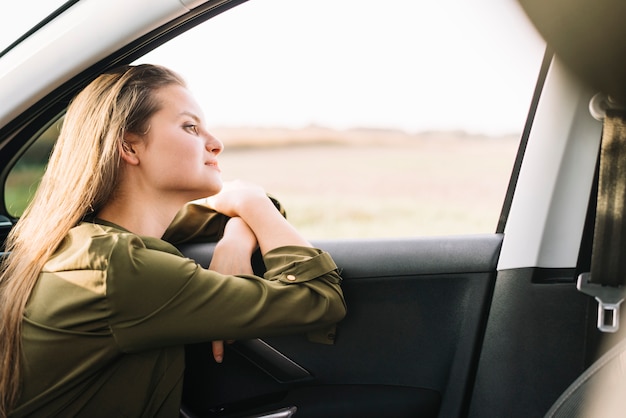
{"x":607,"y":279}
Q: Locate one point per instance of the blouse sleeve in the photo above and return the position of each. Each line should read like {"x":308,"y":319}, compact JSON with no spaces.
{"x":159,"y":298}
{"x":195,"y":222}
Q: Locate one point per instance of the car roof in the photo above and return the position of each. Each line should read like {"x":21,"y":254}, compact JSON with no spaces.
{"x":20,"y":19}
{"x":588,"y":37}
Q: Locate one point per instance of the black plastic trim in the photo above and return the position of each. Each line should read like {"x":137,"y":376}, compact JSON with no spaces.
{"x":395,"y":257}
{"x":537,"y":341}
{"x":553,"y":276}
{"x":416,"y":256}
{"x":508,"y":199}
{"x":280,"y":367}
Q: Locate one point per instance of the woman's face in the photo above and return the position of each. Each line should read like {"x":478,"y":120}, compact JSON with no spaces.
{"x":178,"y":156}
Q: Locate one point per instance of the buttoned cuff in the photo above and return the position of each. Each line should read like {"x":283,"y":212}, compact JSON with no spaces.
{"x":295,"y":264}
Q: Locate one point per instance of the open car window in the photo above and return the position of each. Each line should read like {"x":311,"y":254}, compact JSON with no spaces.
{"x":362,"y":122}
{"x":367,"y":122}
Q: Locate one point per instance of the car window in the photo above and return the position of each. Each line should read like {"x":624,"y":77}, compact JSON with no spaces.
{"x":368,"y":119}
{"x":25,"y":175}
{"x":363,"y":120}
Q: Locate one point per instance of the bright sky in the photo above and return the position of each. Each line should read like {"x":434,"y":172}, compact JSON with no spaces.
{"x":412,"y":65}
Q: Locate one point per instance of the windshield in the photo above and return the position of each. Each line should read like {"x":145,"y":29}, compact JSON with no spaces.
{"x":18,"y":17}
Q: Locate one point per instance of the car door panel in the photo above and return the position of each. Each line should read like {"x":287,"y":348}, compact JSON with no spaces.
{"x":548,"y":316}
{"x":407,"y":347}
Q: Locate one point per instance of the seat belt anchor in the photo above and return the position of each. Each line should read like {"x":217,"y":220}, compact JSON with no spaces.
{"x":609,"y":300}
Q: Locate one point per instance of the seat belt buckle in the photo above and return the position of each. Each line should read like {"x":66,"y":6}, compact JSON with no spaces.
{"x":609,"y":300}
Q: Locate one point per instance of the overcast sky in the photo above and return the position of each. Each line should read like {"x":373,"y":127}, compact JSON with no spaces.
{"x":405,"y":64}
{"x":413,"y":65}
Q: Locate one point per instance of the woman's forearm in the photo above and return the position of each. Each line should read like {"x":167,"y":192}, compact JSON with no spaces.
{"x":250,"y":202}
{"x":233,"y":253}
{"x":271,"y":229}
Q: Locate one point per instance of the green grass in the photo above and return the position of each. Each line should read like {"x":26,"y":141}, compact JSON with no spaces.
{"x":21,"y":186}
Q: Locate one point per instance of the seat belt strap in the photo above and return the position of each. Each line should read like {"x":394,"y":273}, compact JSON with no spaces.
{"x":608,"y":266}
{"x":607,"y":278}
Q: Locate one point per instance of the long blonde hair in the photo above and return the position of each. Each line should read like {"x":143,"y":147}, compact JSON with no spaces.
{"x":82,"y":175}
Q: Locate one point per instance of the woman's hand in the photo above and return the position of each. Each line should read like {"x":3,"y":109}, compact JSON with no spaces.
{"x":251,"y":203}
{"x":235,"y":197}
{"x":218,"y":349}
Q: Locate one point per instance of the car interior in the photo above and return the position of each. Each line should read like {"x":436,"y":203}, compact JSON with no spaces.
{"x":458,"y":325}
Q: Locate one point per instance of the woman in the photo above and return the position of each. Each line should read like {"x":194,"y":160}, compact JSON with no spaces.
{"x":97,"y":304}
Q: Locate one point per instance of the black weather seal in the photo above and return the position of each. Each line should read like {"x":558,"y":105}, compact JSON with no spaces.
{"x":508,"y":199}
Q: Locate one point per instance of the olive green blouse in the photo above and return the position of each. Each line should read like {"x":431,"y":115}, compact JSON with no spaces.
{"x":105,"y":327}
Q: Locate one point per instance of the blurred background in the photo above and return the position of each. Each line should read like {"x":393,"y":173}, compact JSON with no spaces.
{"x":365,"y":118}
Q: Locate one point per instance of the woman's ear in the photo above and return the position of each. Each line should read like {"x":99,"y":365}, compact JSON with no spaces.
{"x":127,"y":152}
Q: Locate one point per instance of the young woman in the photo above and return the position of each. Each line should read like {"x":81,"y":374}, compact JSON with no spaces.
{"x":96,"y":302}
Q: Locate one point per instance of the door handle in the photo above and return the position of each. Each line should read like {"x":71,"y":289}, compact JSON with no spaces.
{"x":271,"y":361}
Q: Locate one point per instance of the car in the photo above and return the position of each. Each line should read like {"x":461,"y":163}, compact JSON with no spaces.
{"x":461,"y":322}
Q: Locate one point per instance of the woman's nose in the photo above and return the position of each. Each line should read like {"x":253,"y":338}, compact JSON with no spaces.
{"x":214,"y":145}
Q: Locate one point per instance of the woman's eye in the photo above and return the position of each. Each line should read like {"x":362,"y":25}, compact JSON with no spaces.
{"x":192,"y":128}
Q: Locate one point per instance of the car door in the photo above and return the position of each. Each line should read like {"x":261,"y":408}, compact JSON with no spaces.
{"x":406,"y":348}
{"x":475,"y":316}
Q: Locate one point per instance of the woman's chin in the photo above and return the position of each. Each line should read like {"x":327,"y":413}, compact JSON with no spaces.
{"x":215,"y":188}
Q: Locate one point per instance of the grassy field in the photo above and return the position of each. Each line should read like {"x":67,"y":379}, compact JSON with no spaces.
{"x":361,"y":183}
{"x":371,"y":183}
